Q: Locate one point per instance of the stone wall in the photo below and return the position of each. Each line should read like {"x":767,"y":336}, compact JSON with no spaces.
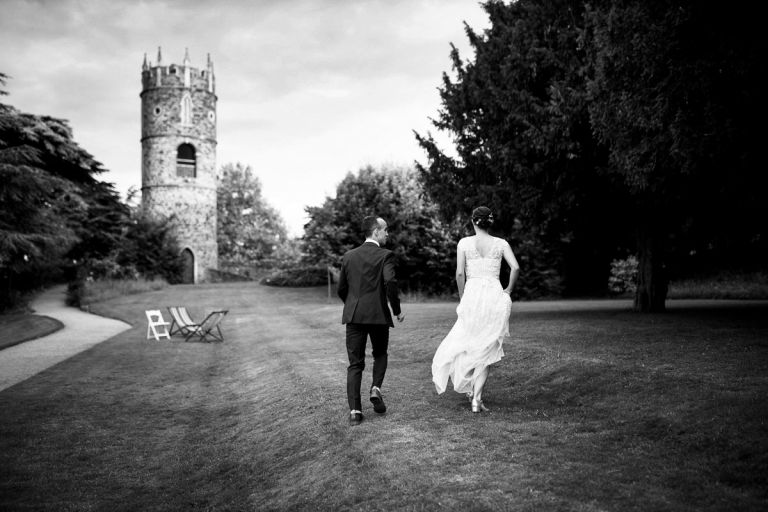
{"x":158,"y":155}
{"x":194,"y":219}
{"x":161,"y":113}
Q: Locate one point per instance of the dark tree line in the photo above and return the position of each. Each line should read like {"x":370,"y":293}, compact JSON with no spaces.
{"x":57,"y":219}
{"x":606,"y":128}
{"x":424,"y":246}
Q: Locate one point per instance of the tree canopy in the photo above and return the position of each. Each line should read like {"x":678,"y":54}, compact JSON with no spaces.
{"x":249,"y":229}
{"x":48,"y":185}
{"x":675,"y":97}
{"x":603,"y":128}
{"x":54,"y":212}
{"x":424,"y":246}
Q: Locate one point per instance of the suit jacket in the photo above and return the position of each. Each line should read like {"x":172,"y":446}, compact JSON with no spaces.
{"x":366,"y":281}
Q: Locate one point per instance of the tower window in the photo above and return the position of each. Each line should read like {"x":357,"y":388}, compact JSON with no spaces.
{"x":186,"y":109}
{"x":186,"y":161}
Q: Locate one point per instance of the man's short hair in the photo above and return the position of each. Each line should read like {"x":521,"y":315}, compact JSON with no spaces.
{"x":370,"y":224}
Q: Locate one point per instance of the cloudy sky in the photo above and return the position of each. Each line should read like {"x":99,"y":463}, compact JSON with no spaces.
{"x":308,"y":90}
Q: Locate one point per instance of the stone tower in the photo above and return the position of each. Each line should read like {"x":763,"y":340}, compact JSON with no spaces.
{"x":178,"y":157}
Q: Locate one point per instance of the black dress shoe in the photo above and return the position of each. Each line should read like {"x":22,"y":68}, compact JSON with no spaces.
{"x":377,"y":401}
{"x":355,"y":418}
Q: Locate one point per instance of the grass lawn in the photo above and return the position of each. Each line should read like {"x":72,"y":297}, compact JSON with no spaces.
{"x":16,"y":328}
{"x":593,"y":408}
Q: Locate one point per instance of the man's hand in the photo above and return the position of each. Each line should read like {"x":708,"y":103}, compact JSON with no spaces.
{"x":401,"y":317}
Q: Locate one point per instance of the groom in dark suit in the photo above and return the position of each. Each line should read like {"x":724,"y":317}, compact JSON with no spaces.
{"x":366,"y":282}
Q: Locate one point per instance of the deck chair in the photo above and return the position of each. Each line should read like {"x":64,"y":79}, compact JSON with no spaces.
{"x":209,"y":327}
{"x":181,"y":322}
{"x":185,"y":316}
{"x":156,"y":325}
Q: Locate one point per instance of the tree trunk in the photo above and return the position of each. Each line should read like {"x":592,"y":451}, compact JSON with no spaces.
{"x":651,"y":293}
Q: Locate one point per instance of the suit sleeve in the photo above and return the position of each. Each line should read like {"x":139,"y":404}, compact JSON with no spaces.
{"x":390,"y":282}
{"x":343,"y":287}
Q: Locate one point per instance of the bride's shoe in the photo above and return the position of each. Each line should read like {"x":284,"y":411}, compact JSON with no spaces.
{"x":477,"y":406}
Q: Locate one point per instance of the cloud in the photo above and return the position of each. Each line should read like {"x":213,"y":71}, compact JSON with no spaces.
{"x":308,"y":89}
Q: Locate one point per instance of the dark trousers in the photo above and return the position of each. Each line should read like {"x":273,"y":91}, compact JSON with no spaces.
{"x":357,"y":335}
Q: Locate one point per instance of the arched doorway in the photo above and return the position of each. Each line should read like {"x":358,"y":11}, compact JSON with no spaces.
{"x":188,"y":274}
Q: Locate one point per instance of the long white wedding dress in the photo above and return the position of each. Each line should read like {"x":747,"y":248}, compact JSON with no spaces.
{"x":475,"y":341}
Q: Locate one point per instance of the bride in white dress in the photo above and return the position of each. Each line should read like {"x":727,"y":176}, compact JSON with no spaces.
{"x":475,"y":340}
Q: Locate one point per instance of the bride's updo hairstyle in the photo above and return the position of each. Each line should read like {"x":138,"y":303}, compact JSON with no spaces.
{"x":482,"y":217}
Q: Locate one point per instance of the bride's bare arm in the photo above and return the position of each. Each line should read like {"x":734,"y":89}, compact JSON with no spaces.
{"x":509,"y":257}
{"x":461,"y":277}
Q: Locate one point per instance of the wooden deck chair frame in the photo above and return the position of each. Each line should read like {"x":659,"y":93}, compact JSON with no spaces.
{"x":209,"y":327}
{"x":157,"y":327}
{"x":181,"y":322}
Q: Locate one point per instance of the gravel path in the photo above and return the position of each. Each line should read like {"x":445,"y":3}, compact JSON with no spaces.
{"x":81,"y":331}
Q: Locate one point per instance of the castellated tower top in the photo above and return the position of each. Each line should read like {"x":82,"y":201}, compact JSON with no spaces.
{"x":173,"y":75}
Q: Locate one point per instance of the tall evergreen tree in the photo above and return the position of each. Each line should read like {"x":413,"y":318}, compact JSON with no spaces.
{"x":56,"y":214}
{"x":518,"y":115}
{"x":676,"y":95}
{"x":44,"y":174}
{"x":595,"y":124}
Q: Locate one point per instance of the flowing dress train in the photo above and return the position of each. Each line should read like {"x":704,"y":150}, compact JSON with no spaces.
{"x":475,"y":341}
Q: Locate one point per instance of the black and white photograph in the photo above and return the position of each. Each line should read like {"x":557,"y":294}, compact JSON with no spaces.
{"x":383,"y":255}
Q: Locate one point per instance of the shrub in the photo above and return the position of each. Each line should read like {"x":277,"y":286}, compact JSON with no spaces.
{"x":82,"y":292}
{"x":108,"y":268}
{"x":299,"y":276}
{"x":623,"y":278}
{"x":724,"y":285}
{"x":17,"y":286}
{"x":150,"y":248}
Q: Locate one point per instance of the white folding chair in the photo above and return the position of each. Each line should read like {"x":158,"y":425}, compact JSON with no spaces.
{"x":156,"y":326}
